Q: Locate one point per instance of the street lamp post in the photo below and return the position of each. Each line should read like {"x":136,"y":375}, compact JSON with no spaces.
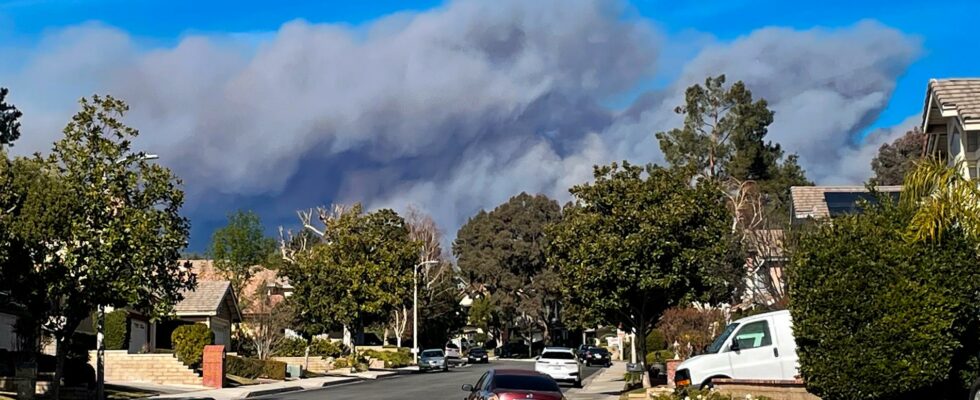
{"x":100,"y":328}
{"x":415,"y":307}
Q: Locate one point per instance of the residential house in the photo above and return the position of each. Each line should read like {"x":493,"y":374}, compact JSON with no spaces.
{"x":822,"y":202}
{"x":765,"y":263}
{"x":951,"y":120}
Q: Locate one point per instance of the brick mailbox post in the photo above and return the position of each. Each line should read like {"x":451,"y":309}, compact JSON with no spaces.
{"x":672,"y":372}
{"x":214,"y":366}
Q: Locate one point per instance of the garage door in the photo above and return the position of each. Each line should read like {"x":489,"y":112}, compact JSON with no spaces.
{"x":222,"y":332}
{"x":137,"y":335}
{"x":8,"y":339}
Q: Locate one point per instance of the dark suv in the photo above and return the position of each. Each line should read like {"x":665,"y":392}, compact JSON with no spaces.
{"x":596,"y":356}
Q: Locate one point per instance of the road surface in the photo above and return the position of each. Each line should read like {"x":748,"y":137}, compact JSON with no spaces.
{"x":428,"y":386}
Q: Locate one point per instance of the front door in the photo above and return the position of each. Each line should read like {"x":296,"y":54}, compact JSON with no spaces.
{"x":137,"y":335}
{"x":756,"y":357}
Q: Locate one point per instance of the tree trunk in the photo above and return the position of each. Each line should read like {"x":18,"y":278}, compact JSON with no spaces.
{"x":384,"y":340}
{"x":61,"y":350}
{"x":347,"y":339}
{"x":642,"y":345}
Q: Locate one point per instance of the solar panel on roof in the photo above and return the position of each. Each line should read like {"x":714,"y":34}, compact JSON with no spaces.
{"x":839,"y":203}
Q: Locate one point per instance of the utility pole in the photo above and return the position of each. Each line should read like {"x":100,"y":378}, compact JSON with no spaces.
{"x":415,"y":308}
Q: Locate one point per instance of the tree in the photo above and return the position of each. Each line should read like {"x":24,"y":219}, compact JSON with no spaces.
{"x":356,"y":271}
{"x":440,"y":314}
{"x":9,"y":120}
{"x":268,"y":321}
{"x":880,"y":314}
{"x":639,"y":240}
{"x":940,"y":197}
{"x":895,"y":159}
{"x":239,"y":249}
{"x":723,"y":138}
{"x":104,"y":222}
{"x":501,"y":254}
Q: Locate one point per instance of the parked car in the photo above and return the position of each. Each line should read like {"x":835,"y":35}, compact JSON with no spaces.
{"x":514,"y":350}
{"x":433,"y":359}
{"x":561,"y":364}
{"x":513,"y":384}
{"x":478,"y":355}
{"x":596,"y":356}
{"x":453,"y":354}
{"x":757,"y":347}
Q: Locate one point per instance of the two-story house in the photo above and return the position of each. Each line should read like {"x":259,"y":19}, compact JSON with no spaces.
{"x":951,"y":118}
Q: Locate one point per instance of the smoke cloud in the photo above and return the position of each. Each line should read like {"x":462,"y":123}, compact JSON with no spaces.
{"x":453,"y":109}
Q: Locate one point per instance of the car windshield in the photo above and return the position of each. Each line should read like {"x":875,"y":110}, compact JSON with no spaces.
{"x":599,"y":350}
{"x":715,"y":346}
{"x":526,"y":382}
{"x":558,"y":355}
{"x":477,"y":350}
{"x":432,"y":353}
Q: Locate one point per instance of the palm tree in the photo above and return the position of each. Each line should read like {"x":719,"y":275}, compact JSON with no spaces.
{"x":940,"y":198}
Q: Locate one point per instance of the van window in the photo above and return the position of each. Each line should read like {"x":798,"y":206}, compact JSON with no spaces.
{"x":722,"y":338}
{"x":754,"y":334}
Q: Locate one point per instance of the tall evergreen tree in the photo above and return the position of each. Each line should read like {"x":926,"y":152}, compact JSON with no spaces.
{"x":723,"y":138}
{"x":897,"y":158}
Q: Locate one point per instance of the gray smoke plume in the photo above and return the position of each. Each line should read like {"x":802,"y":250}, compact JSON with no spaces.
{"x":453,"y":109}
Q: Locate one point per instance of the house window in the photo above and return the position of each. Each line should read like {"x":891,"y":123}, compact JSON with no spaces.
{"x":972,"y":167}
{"x":972,"y":140}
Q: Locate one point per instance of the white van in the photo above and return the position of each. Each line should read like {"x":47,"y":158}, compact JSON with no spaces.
{"x":757,"y":347}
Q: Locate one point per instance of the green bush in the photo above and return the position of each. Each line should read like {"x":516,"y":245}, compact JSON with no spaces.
{"x":254,"y":368}
{"x":189,"y":341}
{"x":392,"y":359}
{"x":659,"y":356}
{"x":291,"y":347}
{"x":703,"y":395}
{"x":341,"y":363}
{"x":116,"y":329}
{"x":327,"y":348}
{"x":656,"y":341}
{"x":877,"y":316}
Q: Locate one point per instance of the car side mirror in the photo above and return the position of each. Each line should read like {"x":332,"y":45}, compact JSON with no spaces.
{"x":467,"y":388}
{"x":734,"y":346}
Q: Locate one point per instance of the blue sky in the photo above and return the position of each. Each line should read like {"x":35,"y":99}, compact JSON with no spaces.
{"x":951,"y":51}
{"x":516,"y":96}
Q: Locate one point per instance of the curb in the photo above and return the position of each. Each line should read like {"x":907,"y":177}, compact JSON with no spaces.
{"x":339,"y":382}
{"x":267,"y":392}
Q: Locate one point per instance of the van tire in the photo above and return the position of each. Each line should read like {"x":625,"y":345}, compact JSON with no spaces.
{"x":708,"y":384}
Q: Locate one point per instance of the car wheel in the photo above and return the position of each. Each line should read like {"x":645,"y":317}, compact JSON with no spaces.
{"x":578,"y":384}
{"x":445,"y":369}
{"x":975,"y":390}
{"x":707,"y":385}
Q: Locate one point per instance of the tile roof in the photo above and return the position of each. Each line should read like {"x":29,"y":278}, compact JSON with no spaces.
{"x":962,"y":94}
{"x":206,"y":271}
{"x":205,"y":299}
{"x":809,"y":201}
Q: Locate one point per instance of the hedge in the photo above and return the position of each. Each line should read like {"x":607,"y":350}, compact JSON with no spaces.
{"x":189,"y":341}
{"x":392,"y":359}
{"x":254,"y":368}
{"x":296,"y":347}
{"x":877,"y":316}
{"x":116,"y":330}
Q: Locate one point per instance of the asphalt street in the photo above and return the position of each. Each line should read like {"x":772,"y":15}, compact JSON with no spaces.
{"x":429,"y":386}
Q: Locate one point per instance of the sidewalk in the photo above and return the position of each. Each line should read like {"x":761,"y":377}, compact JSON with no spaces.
{"x":243,"y":392}
{"x":604,"y":385}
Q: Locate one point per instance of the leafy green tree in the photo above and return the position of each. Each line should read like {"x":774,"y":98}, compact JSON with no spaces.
{"x":895,"y":159}
{"x":639,"y":240}
{"x":941,"y":198}
{"x":723,"y":138}
{"x":239,"y":249}
{"x":103,"y":225}
{"x":9,"y":120}
{"x":879,"y":316}
{"x":355,"y":272}
{"x":501,"y":254}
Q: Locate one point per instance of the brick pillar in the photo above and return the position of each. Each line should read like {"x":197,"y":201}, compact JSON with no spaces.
{"x":672,"y":371}
{"x":214,"y":366}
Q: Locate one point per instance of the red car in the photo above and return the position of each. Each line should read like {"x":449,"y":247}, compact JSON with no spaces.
{"x":513,"y":384}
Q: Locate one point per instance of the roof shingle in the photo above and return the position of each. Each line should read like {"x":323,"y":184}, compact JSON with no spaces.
{"x":205,"y":299}
{"x":809,"y":201}
{"x":962,"y":94}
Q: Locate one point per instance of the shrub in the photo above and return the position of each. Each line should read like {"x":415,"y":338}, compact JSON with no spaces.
{"x":327,"y":348}
{"x":703,"y":395}
{"x":116,"y":329}
{"x":254,"y":368}
{"x":656,"y":340}
{"x":659,"y":356}
{"x":341,"y":363}
{"x":291,"y":347}
{"x":392,"y":359}
{"x":879,"y":317}
{"x":189,"y":341}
